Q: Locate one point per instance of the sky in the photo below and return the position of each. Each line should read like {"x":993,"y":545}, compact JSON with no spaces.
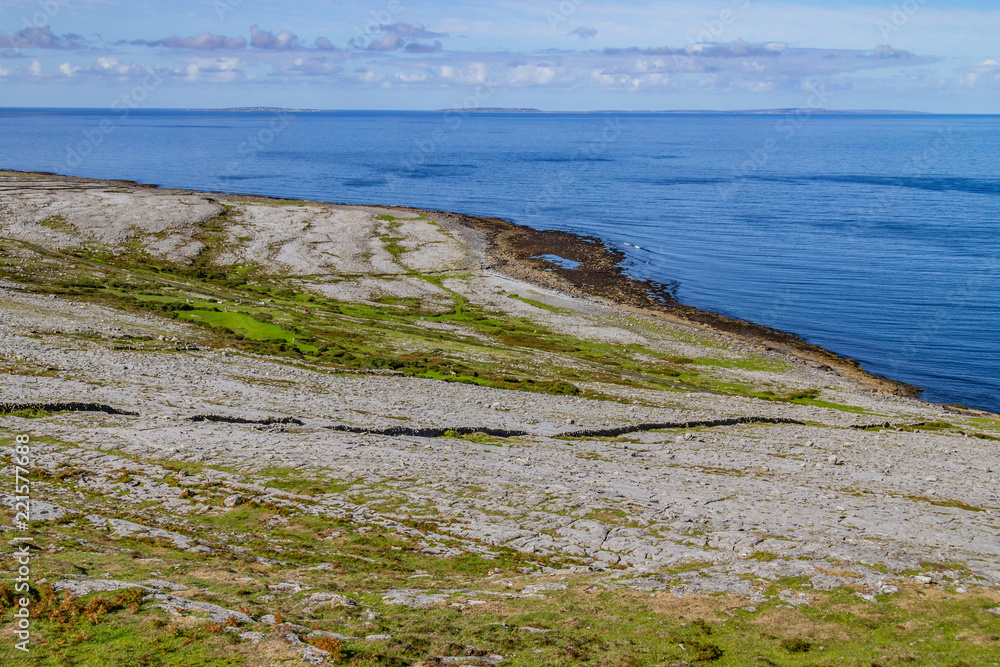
{"x":939,"y":56}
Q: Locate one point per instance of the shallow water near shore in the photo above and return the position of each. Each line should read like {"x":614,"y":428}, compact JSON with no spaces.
{"x":877,"y":237}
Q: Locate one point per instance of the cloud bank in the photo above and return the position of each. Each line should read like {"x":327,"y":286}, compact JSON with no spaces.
{"x":42,"y":38}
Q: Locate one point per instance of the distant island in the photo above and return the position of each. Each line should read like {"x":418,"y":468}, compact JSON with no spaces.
{"x":799,"y":110}
{"x":264,"y":109}
{"x":495,"y":110}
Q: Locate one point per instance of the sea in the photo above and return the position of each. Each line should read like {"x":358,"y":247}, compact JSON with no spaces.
{"x":876,"y":236}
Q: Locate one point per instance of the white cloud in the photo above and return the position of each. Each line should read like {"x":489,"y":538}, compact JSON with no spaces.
{"x":755,"y":86}
{"x":316,"y":66}
{"x":985,"y":73}
{"x":411,"y":78}
{"x":415,"y":30}
{"x":203,"y":41}
{"x":536,"y":75}
{"x":607,"y":80}
{"x":474,"y":74}
{"x":263,"y":39}
{"x":42,"y":38}
{"x":35,"y":68}
{"x":366,"y":75}
{"x":68,"y":70}
{"x":390,"y":42}
{"x":215,"y":70}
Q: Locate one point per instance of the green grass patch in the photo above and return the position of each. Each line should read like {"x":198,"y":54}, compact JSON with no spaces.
{"x":938,"y":502}
{"x":290,"y":479}
{"x":32,"y":413}
{"x":478,"y":438}
{"x":56,"y":222}
{"x":929,"y":426}
{"x":748,"y":363}
{"x":540,"y":304}
{"x":833,"y":406}
{"x":240,"y":323}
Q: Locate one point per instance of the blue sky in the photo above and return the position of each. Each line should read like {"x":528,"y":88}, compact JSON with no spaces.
{"x":923,"y":55}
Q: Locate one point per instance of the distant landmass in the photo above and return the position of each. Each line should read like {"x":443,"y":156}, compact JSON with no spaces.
{"x":269,"y":109}
{"x":495,"y":110}
{"x":530,"y":110}
{"x":699,"y":111}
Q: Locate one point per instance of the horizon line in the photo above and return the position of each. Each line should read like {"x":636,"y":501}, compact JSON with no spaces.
{"x":513,"y":110}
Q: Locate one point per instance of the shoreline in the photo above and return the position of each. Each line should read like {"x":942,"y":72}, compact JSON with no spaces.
{"x":515,"y":251}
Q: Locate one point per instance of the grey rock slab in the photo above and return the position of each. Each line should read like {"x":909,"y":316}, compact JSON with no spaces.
{"x":537,"y":588}
{"x":289,"y":587}
{"x":720,"y":582}
{"x":647,"y":584}
{"x":414,"y":598}
{"x":312,"y":655}
{"x":317,"y":600}
{"x":80,"y":588}
{"x":183,"y":607}
{"x":161,"y":585}
{"x":123,"y":528}
{"x":39,"y":510}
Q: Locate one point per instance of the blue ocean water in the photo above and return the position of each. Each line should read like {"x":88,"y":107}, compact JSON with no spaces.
{"x":877,"y":237}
